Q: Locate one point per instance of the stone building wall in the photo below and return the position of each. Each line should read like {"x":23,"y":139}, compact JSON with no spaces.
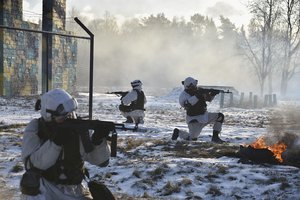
{"x":64,"y":52}
{"x":20,"y":52}
{"x":64,"y":57}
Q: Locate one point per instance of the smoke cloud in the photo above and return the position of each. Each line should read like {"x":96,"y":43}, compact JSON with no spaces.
{"x":222,"y":8}
{"x":285,"y":126}
{"x":162,"y":59}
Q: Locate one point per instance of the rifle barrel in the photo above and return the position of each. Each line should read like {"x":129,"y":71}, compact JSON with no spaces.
{"x":118,"y":93}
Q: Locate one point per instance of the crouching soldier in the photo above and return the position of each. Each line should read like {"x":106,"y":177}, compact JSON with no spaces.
{"x":193,"y":100}
{"x":54,"y":159}
{"x":132,"y":104}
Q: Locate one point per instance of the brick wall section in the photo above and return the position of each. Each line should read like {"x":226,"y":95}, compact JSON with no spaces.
{"x":64,"y":57}
{"x":1,"y":47}
{"x":64,"y":52}
{"x":19,"y":52}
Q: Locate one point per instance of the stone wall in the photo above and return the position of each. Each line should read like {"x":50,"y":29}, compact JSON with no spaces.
{"x":64,"y":49}
{"x":20,"y":62}
{"x":64,"y":57}
{"x":19,"y":53}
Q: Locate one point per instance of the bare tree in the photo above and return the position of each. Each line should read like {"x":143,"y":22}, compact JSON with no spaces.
{"x":291,"y":41}
{"x":258,"y":46}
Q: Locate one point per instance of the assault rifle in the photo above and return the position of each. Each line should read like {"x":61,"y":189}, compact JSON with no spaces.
{"x":212,"y":91}
{"x":106,"y":129}
{"x":118,"y":93}
{"x":82,"y":127}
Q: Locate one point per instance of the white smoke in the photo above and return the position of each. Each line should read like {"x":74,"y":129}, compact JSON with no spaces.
{"x":285,"y":127}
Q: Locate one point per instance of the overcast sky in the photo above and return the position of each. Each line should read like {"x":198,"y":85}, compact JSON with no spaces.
{"x":235,"y":10}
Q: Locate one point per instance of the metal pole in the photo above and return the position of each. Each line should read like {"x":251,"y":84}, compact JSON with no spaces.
{"x":91,"y":65}
{"x":91,"y":77}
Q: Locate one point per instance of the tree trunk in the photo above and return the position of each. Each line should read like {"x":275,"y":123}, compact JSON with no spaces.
{"x":262,"y":85}
{"x":283,"y":84}
{"x":270,"y":83}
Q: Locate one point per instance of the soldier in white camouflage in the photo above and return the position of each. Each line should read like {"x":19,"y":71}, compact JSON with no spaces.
{"x":132,"y":104}
{"x":193,"y":100}
{"x":55,"y":158}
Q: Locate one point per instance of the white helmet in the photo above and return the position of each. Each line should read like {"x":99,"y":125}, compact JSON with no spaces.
{"x":188,"y":82}
{"x":136,"y":84}
{"x":57,"y":102}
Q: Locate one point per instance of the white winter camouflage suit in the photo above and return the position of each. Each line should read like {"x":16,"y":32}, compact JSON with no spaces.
{"x":43,"y":156}
{"x":127,"y":99}
{"x":198,"y":122}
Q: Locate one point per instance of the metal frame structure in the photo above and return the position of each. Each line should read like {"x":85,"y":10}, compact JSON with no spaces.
{"x":47,"y":78}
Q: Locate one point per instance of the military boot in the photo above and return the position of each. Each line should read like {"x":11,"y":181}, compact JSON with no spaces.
{"x":175,"y":134}
{"x":215,"y":138}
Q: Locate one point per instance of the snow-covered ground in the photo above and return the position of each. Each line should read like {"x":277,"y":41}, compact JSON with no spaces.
{"x":149,"y":165}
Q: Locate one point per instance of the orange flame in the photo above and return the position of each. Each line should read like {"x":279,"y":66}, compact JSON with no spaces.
{"x":277,"y":148}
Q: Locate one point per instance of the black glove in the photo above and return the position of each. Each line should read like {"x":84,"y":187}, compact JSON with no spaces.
{"x":199,"y":94}
{"x":61,"y":136}
{"x":187,"y":105}
{"x":109,"y":126}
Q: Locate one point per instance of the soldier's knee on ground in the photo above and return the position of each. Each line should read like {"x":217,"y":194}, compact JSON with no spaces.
{"x":140,"y":120}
